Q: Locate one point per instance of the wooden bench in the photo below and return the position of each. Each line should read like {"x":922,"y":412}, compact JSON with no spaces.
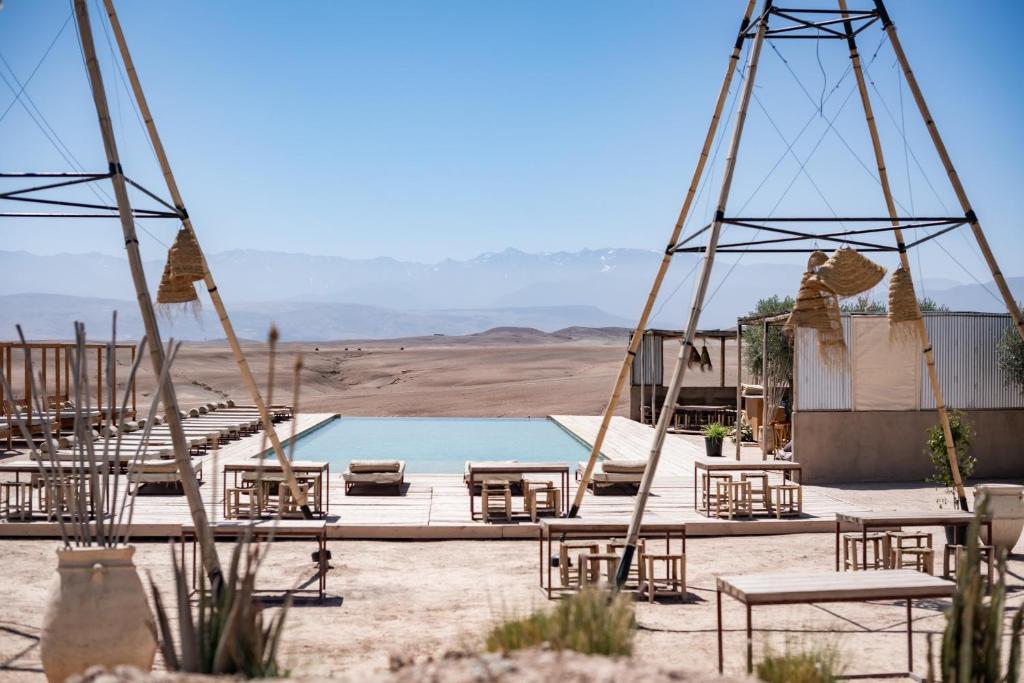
{"x":806,"y":587}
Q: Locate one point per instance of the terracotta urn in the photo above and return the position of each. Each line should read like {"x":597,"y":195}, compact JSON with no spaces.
{"x":97,"y":614}
{"x":1006,"y":505}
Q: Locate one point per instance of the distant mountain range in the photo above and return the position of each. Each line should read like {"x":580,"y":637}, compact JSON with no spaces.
{"x":315,"y":297}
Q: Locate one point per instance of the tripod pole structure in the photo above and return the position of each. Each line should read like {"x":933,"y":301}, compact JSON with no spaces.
{"x":638,"y":333}
{"x":890,"y":203}
{"x":947,"y":163}
{"x":211,"y":562}
{"x":700,"y":292}
{"x":211,"y":285}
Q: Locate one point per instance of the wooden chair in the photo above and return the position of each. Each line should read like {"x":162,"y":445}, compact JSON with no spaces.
{"x":242,"y":501}
{"x":496,"y":499}
{"x":953,"y":554}
{"x":16,"y":500}
{"x":543,"y":497}
{"x":287,"y":505}
{"x":878,"y":551}
{"x":758,"y":488}
{"x":786,"y":499}
{"x":709,"y":490}
{"x":674,"y":581}
{"x":636,"y":572}
{"x":568,"y":573}
{"x":780,"y":434}
{"x":590,"y":567}
{"x":733,"y":498}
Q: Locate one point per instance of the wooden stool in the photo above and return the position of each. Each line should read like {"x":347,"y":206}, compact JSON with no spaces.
{"x":758,"y":488}
{"x":733,"y":498}
{"x":920,"y":558}
{"x":16,"y":500}
{"x":786,"y":499}
{"x":901,"y":541}
{"x":878,"y":551}
{"x":709,"y":489}
{"x":953,"y":554}
{"x":243,"y":500}
{"x":286,"y":503}
{"x":542,"y":498}
{"x":636,"y":571}
{"x":569,"y":574}
{"x":58,"y":498}
{"x":674,"y":582}
{"x":590,"y":567}
{"x":496,"y":499}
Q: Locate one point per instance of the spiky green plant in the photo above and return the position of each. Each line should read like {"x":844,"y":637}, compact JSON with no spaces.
{"x":228,"y":635}
{"x":973,"y":639}
{"x":591,"y":622}
{"x":818,"y":665}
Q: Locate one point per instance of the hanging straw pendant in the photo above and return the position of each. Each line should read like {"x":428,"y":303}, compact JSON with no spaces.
{"x":904,"y":311}
{"x":185,"y":259}
{"x":694,"y":358}
{"x":705,"y":359}
{"x":848,"y":273}
{"x":174,"y":291}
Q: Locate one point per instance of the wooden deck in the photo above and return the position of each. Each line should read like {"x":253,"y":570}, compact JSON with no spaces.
{"x":436,"y":506}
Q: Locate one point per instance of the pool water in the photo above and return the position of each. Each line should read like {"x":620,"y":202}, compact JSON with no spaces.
{"x":440,"y":445}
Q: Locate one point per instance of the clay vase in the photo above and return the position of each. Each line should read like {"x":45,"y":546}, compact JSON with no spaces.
{"x":1006,"y":505}
{"x":97,"y":614}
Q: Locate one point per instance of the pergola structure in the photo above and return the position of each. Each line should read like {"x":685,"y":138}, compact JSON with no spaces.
{"x":799,"y":233}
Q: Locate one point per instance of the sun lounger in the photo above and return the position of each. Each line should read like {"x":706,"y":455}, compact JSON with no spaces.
{"x":375,"y":473}
{"x":480,"y":477}
{"x":160,"y":472}
{"x":611,"y":473}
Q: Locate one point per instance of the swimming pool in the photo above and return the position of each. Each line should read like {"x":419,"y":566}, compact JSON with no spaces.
{"x":439,"y":445}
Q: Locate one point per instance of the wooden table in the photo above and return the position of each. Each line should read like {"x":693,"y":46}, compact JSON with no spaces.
{"x":559,"y":468}
{"x":263,"y":531}
{"x":865,"y":521}
{"x":583,"y":528}
{"x":793,"y":588}
{"x":791,"y":471}
{"x":318,"y":471}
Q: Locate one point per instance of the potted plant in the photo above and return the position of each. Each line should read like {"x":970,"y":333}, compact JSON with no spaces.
{"x":942,"y":475}
{"x":714,"y":434}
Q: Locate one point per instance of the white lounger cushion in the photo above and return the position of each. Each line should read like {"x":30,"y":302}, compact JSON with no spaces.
{"x":623,"y":466}
{"x":601,"y":476}
{"x":375,"y":466}
{"x":486,"y":476}
{"x":377,"y":477}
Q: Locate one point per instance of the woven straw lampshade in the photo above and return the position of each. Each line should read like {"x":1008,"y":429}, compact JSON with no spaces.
{"x":817,"y":307}
{"x":705,"y":359}
{"x":904,"y":311}
{"x":694,"y":358}
{"x":175,"y":290}
{"x":816,"y":259}
{"x":184,"y":259}
{"x":848,"y":273}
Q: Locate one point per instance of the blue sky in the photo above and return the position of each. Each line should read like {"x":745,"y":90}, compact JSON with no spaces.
{"x":432,"y":130}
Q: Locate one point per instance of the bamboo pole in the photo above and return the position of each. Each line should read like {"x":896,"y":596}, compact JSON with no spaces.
{"x":652,"y":296}
{"x":156,"y":352}
{"x":954,"y":178}
{"x":890,"y":203}
{"x":698,"y":302}
{"x":211,"y":285}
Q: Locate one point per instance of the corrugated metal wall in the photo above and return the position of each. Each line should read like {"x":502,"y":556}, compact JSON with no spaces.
{"x":647,"y":363}
{"x":968,"y":366}
{"x":965,"y":356}
{"x":819,"y":387}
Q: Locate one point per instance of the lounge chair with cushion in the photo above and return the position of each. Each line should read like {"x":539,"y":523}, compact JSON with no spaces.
{"x":612,"y":473}
{"x":375,"y":473}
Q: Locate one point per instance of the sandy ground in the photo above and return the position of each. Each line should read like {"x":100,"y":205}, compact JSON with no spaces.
{"x":421,"y":599}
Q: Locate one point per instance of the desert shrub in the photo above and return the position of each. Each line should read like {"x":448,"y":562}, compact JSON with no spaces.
{"x":973,"y":638}
{"x":962,"y":435}
{"x":819,"y":665}
{"x":591,"y":622}
{"x":1010,"y":350}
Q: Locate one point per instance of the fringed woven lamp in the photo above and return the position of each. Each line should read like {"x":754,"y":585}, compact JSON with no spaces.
{"x":694,"y":358}
{"x":848,"y":272}
{"x":705,"y":359}
{"x":904,"y":311}
{"x":184,"y":266}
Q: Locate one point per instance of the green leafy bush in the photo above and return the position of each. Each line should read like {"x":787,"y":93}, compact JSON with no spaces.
{"x":809,"y":666}
{"x":962,"y":436}
{"x":592,"y":622}
{"x":1010,"y":350}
